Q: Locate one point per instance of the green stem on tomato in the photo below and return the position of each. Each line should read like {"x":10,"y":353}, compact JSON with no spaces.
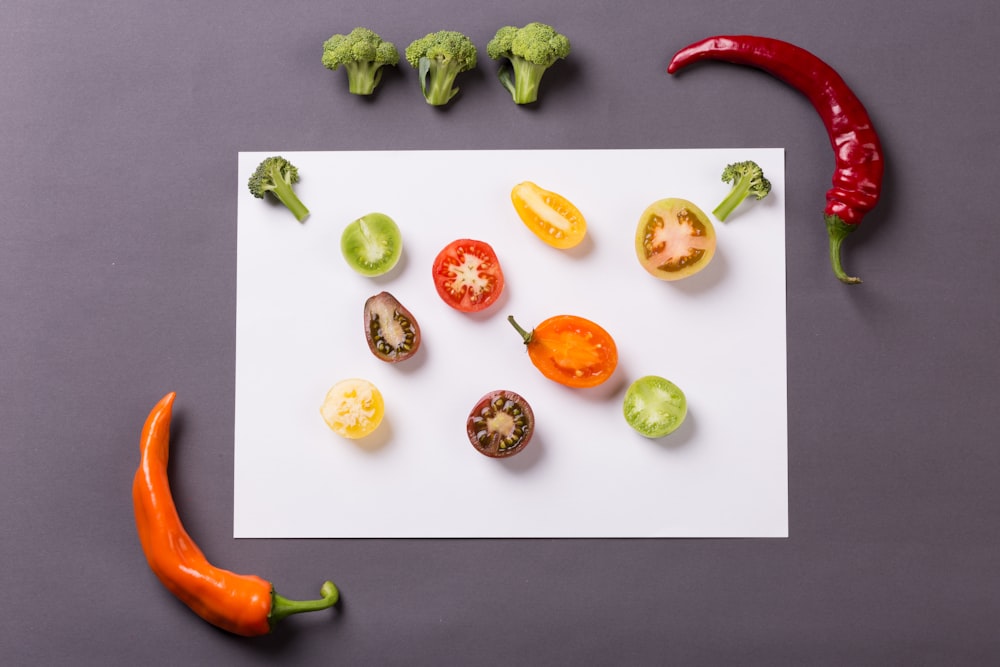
{"x":526,"y":335}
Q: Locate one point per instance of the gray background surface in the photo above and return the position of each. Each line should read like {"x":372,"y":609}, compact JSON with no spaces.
{"x":120,"y":123}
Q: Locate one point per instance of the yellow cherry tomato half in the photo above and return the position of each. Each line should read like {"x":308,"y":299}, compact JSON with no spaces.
{"x":551,"y":217}
{"x":353,"y":408}
{"x":674,"y":239}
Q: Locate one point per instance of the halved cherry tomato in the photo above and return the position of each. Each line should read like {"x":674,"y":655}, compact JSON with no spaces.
{"x":571,"y":350}
{"x":392,"y":332}
{"x":552,"y":217}
{"x":654,"y":406}
{"x":674,"y":239}
{"x":501,"y":424}
{"x":353,"y":408}
{"x":372,"y":244}
{"x":467,"y":275}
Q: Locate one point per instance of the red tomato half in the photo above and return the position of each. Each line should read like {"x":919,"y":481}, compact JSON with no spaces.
{"x":467,"y":275}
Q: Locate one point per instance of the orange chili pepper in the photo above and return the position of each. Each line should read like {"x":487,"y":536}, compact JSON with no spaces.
{"x":242,"y":604}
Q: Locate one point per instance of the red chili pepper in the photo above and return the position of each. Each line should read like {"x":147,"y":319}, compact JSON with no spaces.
{"x":857,"y":181}
{"x":240,"y":603}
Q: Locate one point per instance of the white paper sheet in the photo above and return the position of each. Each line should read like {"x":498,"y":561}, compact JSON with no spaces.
{"x":719,"y":335}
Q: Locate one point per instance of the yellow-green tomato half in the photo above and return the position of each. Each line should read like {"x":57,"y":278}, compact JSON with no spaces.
{"x":674,"y":239}
{"x":654,"y":406}
{"x":372,"y":244}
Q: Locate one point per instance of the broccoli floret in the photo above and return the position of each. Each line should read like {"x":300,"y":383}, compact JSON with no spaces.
{"x":276,"y":175}
{"x":747,"y":179}
{"x":363,"y":54}
{"x":530,"y":51}
{"x":439,"y":57}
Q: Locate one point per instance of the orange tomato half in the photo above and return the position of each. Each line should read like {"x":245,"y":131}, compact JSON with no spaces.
{"x":571,"y":350}
{"x":551,"y":217}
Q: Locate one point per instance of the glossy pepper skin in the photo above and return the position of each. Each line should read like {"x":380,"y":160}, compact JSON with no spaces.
{"x":857,"y":178}
{"x":242,"y":604}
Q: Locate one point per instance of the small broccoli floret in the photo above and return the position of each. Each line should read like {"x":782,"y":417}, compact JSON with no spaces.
{"x":530,"y":51}
{"x":363,"y":54}
{"x":439,"y":57}
{"x":276,"y":175}
{"x":747,"y":179}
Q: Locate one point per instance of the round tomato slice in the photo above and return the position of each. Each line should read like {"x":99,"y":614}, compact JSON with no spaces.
{"x":654,"y":406}
{"x":372,"y":244}
{"x":551,"y":217}
{"x":467,"y":275}
{"x":501,"y":424}
{"x":571,"y":350}
{"x":353,"y":408}
{"x":674,"y":239}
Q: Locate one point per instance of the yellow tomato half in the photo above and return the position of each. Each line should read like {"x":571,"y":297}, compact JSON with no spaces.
{"x":353,"y":408}
{"x":674,"y":239}
{"x":551,"y":217}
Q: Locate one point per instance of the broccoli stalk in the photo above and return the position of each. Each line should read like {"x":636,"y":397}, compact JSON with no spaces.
{"x":530,"y":51}
{"x":747,"y":179}
{"x":277,"y":175}
{"x":363,"y":54}
{"x":439,"y":58}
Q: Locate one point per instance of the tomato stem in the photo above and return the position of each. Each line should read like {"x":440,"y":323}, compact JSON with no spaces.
{"x":526,"y":335}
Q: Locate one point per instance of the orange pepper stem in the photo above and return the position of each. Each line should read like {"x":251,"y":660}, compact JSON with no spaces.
{"x":526,"y":335}
{"x":282,"y":607}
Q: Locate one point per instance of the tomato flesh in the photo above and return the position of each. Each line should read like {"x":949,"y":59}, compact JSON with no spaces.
{"x":549,"y":215}
{"x":372,"y":244}
{"x":468,"y":276}
{"x":654,"y":406}
{"x":674,"y":239}
{"x":571,"y":350}
{"x":353,"y":408}
{"x":501,"y":424}
{"x":392,"y":332}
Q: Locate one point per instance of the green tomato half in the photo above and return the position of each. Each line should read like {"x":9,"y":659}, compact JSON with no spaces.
{"x":372,"y":244}
{"x":654,"y":406}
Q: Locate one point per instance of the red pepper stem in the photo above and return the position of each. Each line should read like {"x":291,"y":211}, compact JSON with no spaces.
{"x":282,"y":607}
{"x":838,"y":230}
{"x":526,"y":335}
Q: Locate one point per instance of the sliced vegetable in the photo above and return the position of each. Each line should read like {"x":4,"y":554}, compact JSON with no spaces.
{"x":372,"y":244}
{"x":674,"y":239}
{"x":468,"y":276}
{"x":390,"y":329}
{"x":501,"y":424}
{"x":353,"y":408}
{"x":654,"y":406}
{"x":551,"y":217}
{"x":570,"y":350}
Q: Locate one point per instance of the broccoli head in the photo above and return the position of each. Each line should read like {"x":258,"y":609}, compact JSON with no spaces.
{"x":747,"y":178}
{"x":276,"y":175}
{"x":530,"y":51}
{"x":363,"y":54}
{"x":439,"y":57}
